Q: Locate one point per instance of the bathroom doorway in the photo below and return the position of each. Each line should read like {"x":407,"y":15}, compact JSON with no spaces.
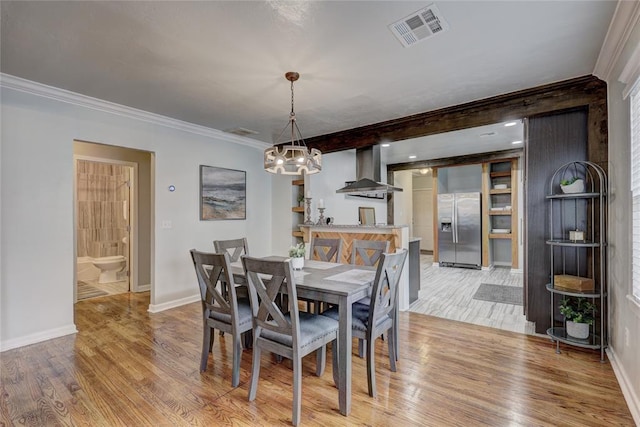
{"x":104,"y":203}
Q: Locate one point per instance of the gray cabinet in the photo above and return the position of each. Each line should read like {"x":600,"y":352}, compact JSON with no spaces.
{"x":577,"y":248}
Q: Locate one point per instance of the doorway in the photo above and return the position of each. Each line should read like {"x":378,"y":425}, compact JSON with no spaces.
{"x":104,"y":204}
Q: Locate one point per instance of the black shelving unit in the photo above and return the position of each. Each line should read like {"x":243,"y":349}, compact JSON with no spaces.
{"x":585,"y":211}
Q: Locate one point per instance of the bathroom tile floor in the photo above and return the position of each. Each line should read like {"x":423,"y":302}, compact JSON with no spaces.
{"x":112,"y":288}
{"x":447,"y":292}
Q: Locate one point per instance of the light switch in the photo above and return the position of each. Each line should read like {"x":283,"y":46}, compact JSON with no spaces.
{"x":166,"y":224}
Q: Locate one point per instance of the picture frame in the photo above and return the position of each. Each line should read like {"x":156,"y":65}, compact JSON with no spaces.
{"x":223,"y":193}
{"x":367,"y":215}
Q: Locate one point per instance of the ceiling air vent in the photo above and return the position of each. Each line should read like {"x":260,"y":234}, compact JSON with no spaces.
{"x":241,"y":131}
{"x":419,"y":26}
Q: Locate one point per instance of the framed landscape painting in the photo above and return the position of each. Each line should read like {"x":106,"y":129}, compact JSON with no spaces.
{"x":223,"y":193}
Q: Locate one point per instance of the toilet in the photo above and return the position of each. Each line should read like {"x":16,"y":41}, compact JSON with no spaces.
{"x":109,"y":267}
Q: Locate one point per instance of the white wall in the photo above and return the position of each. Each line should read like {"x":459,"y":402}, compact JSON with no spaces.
{"x":37,"y":207}
{"x":336,"y":169}
{"x":403,"y":201}
{"x":624,"y":313}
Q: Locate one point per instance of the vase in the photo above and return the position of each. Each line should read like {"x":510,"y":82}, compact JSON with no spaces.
{"x":297,"y":263}
{"x":578,"y":330}
{"x":576,"y":187}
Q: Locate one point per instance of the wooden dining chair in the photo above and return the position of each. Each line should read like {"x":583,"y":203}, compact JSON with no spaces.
{"x":368,"y":251}
{"x":225,"y":313}
{"x":325,"y":249}
{"x":234,"y":247}
{"x":291,"y":334}
{"x":379,"y":317}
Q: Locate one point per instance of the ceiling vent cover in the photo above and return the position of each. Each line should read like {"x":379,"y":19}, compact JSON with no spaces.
{"x":241,"y":131}
{"x":419,"y":26}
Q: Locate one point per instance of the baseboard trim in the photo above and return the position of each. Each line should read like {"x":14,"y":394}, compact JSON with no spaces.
{"x":625,"y":384}
{"x":144,"y":288}
{"x":37,"y":337}
{"x":157,"y":308}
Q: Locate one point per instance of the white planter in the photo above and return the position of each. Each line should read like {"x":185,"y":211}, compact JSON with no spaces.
{"x":576,"y":187}
{"x":578,"y":330}
{"x":297,"y":263}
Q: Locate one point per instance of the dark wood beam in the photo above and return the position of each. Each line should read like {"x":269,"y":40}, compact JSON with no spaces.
{"x":578,"y":92}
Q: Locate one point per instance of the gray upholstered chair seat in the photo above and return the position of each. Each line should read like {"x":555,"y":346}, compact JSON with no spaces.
{"x":359,"y":316}
{"x":244,"y":313}
{"x":313,"y":327}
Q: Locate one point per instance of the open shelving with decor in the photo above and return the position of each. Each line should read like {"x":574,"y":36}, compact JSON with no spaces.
{"x":577,"y":244}
{"x":298,"y":208}
{"x":500,"y":212}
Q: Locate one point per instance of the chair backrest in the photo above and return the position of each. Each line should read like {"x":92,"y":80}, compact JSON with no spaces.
{"x":384,"y":292}
{"x":325,"y":249}
{"x":234,"y":247}
{"x":265,"y":279}
{"x":369,"y":251}
{"x":212,"y":269}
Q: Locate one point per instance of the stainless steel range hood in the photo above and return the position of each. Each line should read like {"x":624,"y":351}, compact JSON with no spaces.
{"x":368,"y":176}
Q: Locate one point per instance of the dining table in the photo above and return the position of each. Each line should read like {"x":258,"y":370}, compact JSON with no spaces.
{"x":337,"y":284}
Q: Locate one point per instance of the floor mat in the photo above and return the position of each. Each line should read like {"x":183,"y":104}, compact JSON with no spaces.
{"x":499,"y":293}
{"x":86,"y":290}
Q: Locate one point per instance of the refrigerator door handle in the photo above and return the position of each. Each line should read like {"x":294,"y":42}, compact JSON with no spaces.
{"x":454,"y":220}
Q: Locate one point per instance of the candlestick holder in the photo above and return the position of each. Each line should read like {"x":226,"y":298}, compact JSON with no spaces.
{"x":308,"y":220}
{"x":321,"y":219}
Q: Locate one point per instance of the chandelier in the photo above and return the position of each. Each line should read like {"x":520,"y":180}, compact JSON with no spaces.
{"x":292,"y":158}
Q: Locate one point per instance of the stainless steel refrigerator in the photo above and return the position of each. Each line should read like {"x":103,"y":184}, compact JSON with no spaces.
{"x":459,"y":230}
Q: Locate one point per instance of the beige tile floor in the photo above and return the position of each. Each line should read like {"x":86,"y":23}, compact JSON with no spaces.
{"x":112,"y":288}
{"x":447,"y":292}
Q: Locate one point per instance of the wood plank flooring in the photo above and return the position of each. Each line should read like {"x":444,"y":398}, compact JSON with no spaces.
{"x":127,"y":367}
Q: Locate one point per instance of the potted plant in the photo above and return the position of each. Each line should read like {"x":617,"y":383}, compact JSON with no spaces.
{"x":297,"y":256}
{"x":572,"y":185}
{"x":301,"y":200}
{"x":579,"y":313}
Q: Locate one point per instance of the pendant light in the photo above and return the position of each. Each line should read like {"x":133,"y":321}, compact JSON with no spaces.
{"x":292,"y":158}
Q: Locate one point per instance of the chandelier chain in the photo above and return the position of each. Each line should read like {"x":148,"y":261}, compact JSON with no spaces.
{"x":292,"y":114}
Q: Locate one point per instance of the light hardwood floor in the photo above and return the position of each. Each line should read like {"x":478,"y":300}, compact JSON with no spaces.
{"x":128,"y":367}
{"x":447,"y":292}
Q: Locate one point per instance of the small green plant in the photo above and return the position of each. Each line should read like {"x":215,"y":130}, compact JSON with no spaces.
{"x":297,"y":251}
{"x":300,"y":198}
{"x":579,"y":310}
{"x":569,"y":181}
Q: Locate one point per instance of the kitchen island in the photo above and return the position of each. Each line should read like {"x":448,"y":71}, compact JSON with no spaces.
{"x":396,"y":235}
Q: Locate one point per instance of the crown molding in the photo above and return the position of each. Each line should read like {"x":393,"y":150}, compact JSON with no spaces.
{"x":624,"y":20}
{"x":22,"y":85}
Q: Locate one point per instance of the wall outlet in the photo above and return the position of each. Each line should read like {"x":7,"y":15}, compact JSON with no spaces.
{"x":626,"y":337}
{"x":166,"y":224}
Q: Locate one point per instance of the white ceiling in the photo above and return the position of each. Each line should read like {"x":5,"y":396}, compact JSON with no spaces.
{"x":221,"y":64}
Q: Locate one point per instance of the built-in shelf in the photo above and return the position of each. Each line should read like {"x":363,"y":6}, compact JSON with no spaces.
{"x":297,"y":210}
{"x":500,"y":211}
{"x":500,"y":236}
